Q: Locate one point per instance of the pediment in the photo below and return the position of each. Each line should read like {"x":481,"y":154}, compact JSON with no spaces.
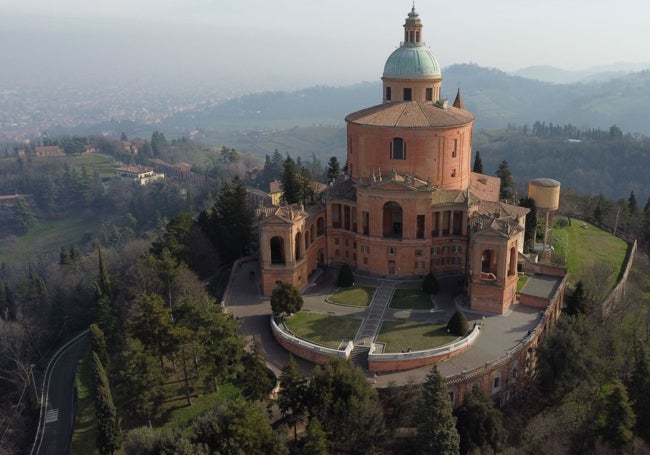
{"x":394,"y":185}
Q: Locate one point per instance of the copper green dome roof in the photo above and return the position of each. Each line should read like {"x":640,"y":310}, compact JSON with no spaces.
{"x":412,"y":61}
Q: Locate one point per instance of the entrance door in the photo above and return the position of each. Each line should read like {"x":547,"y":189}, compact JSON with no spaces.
{"x":391,"y":267}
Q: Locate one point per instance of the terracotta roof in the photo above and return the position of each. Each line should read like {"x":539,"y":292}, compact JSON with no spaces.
{"x":500,"y":209}
{"x":343,"y":188}
{"x":411,"y":114}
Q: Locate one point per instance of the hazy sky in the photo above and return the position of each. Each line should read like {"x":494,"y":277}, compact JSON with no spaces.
{"x":295,"y":43}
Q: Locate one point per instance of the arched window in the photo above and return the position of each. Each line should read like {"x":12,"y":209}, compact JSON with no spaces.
{"x":489,"y":262}
{"x":392,"y":220}
{"x":313,"y":231}
{"x":397,"y":149}
{"x":277,"y":250}
{"x":307,"y":239}
{"x":320,"y":226}
{"x":512,"y":269}
{"x":298,"y":245}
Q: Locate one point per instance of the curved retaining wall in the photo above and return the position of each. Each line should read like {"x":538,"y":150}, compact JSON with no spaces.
{"x":306,"y":350}
{"x":383,"y":363}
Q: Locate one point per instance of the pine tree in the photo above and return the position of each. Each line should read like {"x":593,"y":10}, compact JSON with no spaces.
{"x":436,"y":423}
{"x":292,"y":398}
{"x":347,"y":406}
{"x":315,"y":443}
{"x":618,"y":419}
{"x":333,"y":169}
{"x":480,"y":424}
{"x":232,"y":220}
{"x":478,"y":163}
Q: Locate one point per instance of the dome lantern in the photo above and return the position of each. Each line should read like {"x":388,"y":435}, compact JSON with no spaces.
{"x":411,"y":72}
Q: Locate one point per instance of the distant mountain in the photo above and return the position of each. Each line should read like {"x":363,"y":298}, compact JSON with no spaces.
{"x":494,"y":96}
{"x":498,"y":98}
{"x":546,"y":73}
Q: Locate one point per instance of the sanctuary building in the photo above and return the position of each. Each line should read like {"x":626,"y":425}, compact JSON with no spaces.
{"x":409,"y":203}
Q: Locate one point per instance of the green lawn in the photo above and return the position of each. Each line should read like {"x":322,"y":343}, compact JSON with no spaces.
{"x":400,"y":336}
{"x":589,"y":246}
{"x":410,"y":299}
{"x":521,"y":282}
{"x":177,"y":414}
{"x":323,"y":329}
{"x":353,"y":295}
{"x":83,"y":439}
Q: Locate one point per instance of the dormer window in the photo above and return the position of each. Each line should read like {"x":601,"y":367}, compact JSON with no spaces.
{"x":397,"y":149}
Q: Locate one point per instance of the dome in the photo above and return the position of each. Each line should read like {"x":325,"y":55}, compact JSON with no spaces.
{"x":412,"y":62}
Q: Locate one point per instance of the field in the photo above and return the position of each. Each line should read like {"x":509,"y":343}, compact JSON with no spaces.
{"x":44,"y":241}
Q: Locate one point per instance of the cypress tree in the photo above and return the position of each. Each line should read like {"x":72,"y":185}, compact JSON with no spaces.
{"x":98,"y":343}
{"x":109,"y":435}
{"x":506,"y":190}
{"x":290,"y":182}
{"x":478,"y":163}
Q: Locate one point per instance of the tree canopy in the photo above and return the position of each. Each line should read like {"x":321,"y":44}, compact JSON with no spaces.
{"x":436,"y":423}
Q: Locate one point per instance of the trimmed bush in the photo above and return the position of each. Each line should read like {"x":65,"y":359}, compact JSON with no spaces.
{"x":458,"y":325}
{"x":430,"y":284}
{"x":346,"y":277}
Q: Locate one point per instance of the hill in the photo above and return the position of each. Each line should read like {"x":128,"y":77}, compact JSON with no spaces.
{"x":496,"y":97}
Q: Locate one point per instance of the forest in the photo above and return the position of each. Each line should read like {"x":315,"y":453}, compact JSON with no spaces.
{"x":147,"y":278}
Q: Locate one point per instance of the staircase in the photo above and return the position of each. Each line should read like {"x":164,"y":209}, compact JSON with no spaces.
{"x":359,"y":357}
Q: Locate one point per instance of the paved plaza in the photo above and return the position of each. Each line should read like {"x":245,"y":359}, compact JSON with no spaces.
{"x":499,"y":333}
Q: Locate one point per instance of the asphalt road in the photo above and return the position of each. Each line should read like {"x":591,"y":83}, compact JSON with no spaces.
{"x":61,"y":395}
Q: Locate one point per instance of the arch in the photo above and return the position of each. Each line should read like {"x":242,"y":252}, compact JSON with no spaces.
{"x":312,"y":230}
{"x":298,"y":245}
{"x":321,"y":257}
{"x":320,"y":226}
{"x":512,"y":269}
{"x":278,"y":255}
{"x":397,"y":149}
{"x":489,"y":261}
{"x":392,"y":219}
{"x":307,"y":239}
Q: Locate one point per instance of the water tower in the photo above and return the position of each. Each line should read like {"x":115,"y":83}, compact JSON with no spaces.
{"x":546,"y":194}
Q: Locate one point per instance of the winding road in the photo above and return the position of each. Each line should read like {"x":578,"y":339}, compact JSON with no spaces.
{"x":58,"y":399}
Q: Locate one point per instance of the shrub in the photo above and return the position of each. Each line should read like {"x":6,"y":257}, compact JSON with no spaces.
{"x":458,"y":325}
{"x":346,"y":277}
{"x":430,"y":284}
{"x":561,"y":222}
